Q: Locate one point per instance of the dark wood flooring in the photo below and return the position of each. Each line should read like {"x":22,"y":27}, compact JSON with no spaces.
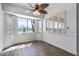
{"x":37,"y":48}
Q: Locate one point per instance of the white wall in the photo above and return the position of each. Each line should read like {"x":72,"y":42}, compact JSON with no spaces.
{"x":24,"y":37}
{"x":78,"y":27}
{"x":64,"y":41}
{"x":15,"y":38}
{"x":1,"y":28}
{"x":39,"y":34}
{"x":19,"y":10}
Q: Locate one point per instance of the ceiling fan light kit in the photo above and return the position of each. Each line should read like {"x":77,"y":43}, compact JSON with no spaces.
{"x":36,"y":13}
{"x":39,"y":8}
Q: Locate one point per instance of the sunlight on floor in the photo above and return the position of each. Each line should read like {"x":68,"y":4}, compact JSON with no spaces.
{"x":18,"y":47}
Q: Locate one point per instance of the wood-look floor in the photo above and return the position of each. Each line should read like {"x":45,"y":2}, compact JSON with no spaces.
{"x":37,"y":48}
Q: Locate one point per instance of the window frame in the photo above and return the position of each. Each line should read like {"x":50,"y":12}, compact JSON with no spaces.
{"x":53,"y":18}
{"x":27,"y":30}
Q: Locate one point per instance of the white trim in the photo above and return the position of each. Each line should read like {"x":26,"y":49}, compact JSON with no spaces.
{"x":19,"y":15}
{"x":75,"y":53}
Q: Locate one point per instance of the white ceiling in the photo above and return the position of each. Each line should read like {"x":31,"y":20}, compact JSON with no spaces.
{"x":26,"y":5}
{"x":23,"y":5}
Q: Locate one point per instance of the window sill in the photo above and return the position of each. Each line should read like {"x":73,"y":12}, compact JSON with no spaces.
{"x":25,"y":32}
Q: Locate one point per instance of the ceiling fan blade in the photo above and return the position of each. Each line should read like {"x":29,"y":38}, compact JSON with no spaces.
{"x":45,"y":5}
{"x":43,"y":11}
{"x":31,"y":5}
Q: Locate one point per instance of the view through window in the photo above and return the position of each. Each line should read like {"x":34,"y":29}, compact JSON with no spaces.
{"x":25,"y":25}
{"x":56,"y":23}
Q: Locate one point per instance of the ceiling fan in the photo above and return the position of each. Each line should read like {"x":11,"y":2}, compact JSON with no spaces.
{"x":39,"y":8}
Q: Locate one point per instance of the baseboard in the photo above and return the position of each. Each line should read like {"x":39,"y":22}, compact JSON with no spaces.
{"x":17,"y":44}
{"x":60,"y":48}
{"x":36,"y":41}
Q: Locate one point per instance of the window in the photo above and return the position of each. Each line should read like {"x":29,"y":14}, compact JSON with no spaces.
{"x":56,"y":24}
{"x":29,"y":25}
{"x":49,"y":25}
{"x":25,"y":25}
{"x":39,"y":26}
